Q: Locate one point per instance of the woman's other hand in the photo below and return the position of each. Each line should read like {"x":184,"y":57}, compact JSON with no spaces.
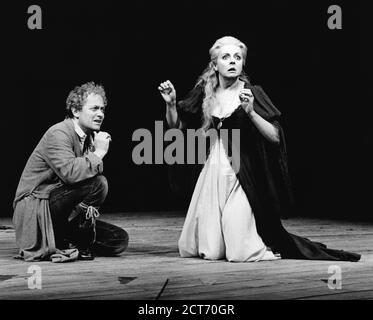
{"x":168,"y":92}
{"x":247,"y":100}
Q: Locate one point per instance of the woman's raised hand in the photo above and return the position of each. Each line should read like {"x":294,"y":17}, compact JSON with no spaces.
{"x":247,"y":100}
{"x":168,"y":92}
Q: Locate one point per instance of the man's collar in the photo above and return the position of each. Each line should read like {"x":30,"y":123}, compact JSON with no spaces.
{"x":79,"y":130}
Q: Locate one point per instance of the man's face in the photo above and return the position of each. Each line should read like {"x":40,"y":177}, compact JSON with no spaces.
{"x":230,"y":61}
{"x":92,"y":115}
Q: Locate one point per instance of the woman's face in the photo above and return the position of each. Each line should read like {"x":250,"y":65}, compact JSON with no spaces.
{"x":230,"y":61}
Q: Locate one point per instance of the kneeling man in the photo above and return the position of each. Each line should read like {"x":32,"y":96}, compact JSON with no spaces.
{"x":62,"y":186}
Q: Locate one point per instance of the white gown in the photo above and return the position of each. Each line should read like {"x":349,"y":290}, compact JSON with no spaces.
{"x":220,"y":223}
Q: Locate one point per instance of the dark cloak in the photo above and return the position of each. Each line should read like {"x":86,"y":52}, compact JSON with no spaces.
{"x":263,"y":174}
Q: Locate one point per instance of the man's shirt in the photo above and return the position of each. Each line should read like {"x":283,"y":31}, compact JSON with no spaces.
{"x":82,"y":136}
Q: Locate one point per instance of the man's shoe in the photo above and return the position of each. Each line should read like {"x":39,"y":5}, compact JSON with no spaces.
{"x":85,"y":254}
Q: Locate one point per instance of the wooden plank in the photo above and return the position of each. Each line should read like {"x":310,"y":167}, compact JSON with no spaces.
{"x":152,"y":258}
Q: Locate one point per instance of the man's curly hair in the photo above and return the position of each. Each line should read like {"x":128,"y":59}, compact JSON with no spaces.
{"x":77,"y":97}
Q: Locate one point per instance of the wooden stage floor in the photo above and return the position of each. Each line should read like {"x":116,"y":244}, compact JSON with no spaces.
{"x":151,"y":268}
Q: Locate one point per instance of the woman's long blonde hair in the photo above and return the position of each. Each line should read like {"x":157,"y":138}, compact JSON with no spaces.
{"x":209,"y":79}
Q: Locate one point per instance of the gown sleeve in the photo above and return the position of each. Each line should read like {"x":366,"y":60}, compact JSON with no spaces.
{"x":189,"y":110}
{"x":182,"y":177}
{"x":272,"y":157}
{"x":263,"y":104}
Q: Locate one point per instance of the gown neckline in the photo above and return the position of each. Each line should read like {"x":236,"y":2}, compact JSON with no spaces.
{"x":229,"y":115}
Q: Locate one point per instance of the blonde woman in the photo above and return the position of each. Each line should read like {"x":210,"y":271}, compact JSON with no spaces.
{"x":235,"y":214}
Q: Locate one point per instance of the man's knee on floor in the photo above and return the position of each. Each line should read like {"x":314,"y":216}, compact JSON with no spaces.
{"x":122,"y":241}
{"x":117,"y":243}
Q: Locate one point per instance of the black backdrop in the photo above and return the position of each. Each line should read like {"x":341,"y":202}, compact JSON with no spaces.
{"x":312,"y":74}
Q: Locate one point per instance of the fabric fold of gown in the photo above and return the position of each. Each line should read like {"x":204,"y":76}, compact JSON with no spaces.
{"x":220,"y":223}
